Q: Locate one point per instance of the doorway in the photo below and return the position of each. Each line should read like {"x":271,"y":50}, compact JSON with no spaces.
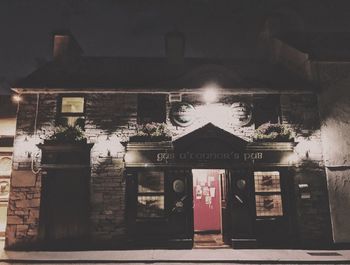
{"x":207,"y":207}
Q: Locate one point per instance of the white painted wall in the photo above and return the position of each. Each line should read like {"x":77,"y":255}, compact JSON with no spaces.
{"x":335,"y":127}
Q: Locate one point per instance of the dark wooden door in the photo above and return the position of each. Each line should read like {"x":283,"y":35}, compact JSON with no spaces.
{"x":65,"y":205}
{"x":241,"y":208}
{"x":225,"y":206}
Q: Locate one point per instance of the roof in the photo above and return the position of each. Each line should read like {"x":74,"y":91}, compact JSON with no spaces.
{"x":150,"y":73}
{"x":206,"y":133}
{"x":323,"y":46}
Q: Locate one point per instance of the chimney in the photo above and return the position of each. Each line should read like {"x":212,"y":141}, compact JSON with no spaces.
{"x":65,"y":47}
{"x":175,"y":47}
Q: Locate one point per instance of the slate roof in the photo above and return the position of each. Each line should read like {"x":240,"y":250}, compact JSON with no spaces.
{"x":131,"y":73}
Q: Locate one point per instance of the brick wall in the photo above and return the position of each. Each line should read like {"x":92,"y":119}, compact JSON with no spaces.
{"x":111,"y":119}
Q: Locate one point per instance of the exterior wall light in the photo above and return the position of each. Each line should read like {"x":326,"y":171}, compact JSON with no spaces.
{"x":16,"y":98}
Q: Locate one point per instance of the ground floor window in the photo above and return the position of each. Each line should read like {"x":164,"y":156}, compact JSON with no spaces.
{"x":150,"y":194}
{"x":268,"y":197}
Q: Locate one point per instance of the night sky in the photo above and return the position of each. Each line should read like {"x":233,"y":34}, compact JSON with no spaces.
{"x":136,"y":28}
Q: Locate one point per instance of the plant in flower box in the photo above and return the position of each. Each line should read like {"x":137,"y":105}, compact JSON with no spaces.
{"x":66,"y":134}
{"x":151,"y":132}
{"x":272,"y":132}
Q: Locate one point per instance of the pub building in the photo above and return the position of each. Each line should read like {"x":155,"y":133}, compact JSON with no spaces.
{"x":179,"y":153}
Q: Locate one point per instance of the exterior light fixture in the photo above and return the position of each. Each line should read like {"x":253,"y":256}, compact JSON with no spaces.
{"x":16,"y":98}
{"x":210,"y":95}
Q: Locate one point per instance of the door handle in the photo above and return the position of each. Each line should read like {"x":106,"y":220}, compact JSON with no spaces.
{"x":179,"y":205}
{"x":239,"y":199}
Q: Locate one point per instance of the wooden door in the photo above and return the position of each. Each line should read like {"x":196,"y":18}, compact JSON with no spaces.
{"x":65,"y":205}
{"x":225,"y":206}
{"x":242,"y":210}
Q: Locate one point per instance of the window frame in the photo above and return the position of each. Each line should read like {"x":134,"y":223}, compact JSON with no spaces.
{"x":61,"y":114}
{"x":150,"y":194}
{"x":280,"y":193}
{"x":261,"y":100}
{"x":164,"y":110}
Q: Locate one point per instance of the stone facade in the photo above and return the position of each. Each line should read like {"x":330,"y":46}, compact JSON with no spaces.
{"x":110,"y":120}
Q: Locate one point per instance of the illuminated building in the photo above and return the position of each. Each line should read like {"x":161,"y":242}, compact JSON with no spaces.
{"x":124,"y":189}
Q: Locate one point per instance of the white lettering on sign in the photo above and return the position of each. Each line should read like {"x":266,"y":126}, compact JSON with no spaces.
{"x":165,"y":156}
{"x":210,"y":156}
{"x":253,"y":156}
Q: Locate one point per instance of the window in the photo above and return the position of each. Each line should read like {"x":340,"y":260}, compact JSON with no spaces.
{"x":150,"y":194}
{"x":151,"y":108}
{"x":72,"y":111}
{"x":5,"y":165}
{"x":268,"y":198}
{"x":266,"y":109}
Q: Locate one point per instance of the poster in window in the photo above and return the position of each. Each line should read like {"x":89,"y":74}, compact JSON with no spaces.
{"x":150,"y":206}
{"x":269,"y":205}
{"x":267,"y":181}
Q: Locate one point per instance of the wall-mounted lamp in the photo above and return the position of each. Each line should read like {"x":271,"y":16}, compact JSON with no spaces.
{"x":16,"y":98}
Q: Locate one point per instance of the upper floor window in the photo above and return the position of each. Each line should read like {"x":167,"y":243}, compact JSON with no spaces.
{"x":151,"y":108}
{"x":266,"y":109}
{"x":72,"y":111}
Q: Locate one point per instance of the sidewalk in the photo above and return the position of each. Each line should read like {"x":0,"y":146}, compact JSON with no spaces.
{"x":181,"y":256}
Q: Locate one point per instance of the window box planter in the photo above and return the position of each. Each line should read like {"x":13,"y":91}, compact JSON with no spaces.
{"x":271,"y":146}
{"x":273,"y":133}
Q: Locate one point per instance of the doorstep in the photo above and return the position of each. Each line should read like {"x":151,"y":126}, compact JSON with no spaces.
{"x":182,"y":256}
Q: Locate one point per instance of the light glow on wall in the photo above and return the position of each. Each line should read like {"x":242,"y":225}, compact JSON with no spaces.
{"x":25,"y":146}
{"x":108,"y":145}
{"x":210,"y":95}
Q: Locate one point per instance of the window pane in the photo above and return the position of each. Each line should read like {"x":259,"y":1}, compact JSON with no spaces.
{"x":269,"y":205}
{"x":151,"y":181}
{"x":5,"y":166}
{"x":266,"y":109}
{"x":3,"y":217}
{"x":267,"y":181}
{"x":72,"y":105}
{"x":150,"y":206}
{"x":151,"y":108}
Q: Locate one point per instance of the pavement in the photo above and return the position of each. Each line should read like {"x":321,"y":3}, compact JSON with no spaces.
{"x":161,"y":256}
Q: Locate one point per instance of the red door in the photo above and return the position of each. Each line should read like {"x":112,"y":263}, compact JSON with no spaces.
{"x":206,"y":200}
